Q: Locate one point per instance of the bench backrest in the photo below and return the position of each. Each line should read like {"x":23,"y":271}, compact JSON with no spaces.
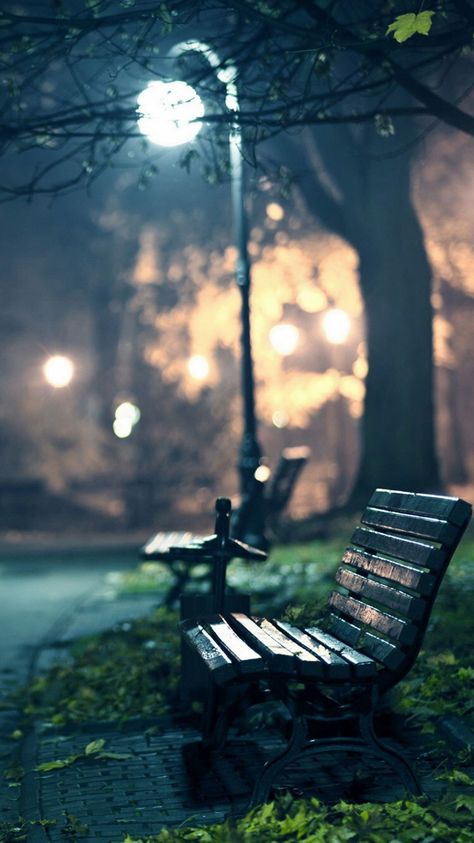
{"x":282,"y":482}
{"x":390,"y":575}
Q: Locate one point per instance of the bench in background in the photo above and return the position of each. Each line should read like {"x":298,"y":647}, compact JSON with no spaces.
{"x":276,"y":494}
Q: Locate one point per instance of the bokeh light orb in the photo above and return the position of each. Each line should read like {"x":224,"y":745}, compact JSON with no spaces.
{"x":280,"y":419}
{"x":274,"y":211}
{"x":122,"y":427}
{"x":262,"y":473}
{"x":198,"y":367}
{"x":58,"y":371}
{"x":128,"y":411}
{"x":336,"y":325}
{"x":169,"y":113}
{"x":284,"y":338}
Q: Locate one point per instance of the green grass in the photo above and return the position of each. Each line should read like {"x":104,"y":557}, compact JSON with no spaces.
{"x":131,"y":671}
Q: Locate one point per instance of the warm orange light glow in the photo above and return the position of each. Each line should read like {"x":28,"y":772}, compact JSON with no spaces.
{"x":284,"y":338}
{"x":262,"y":473}
{"x":336,"y":326}
{"x":198,"y":367}
{"x":360,"y":368}
{"x":275,"y":212}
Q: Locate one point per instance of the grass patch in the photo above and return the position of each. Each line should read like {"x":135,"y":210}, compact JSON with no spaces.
{"x":310,"y":821}
{"x":126,"y":672}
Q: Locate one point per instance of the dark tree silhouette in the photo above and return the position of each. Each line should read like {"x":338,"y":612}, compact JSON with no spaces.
{"x":72,"y":70}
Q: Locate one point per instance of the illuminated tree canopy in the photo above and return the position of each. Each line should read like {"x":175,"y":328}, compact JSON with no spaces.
{"x":71,"y":73}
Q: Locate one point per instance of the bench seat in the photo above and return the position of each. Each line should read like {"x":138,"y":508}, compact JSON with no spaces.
{"x":237,"y":645}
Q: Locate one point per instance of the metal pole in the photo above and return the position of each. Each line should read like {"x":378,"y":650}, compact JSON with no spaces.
{"x":249,"y":458}
{"x":249,"y":524}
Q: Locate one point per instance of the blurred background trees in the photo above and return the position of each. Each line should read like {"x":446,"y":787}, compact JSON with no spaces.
{"x":364,"y":215}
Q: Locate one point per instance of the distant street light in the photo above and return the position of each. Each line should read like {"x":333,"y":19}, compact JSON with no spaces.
{"x":198,"y":367}
{"x":181,"y":106}
{"x":58,"y":371}
{"x":336,"y":325}
{"x":284,"y":338}
{"x":127,"y":415}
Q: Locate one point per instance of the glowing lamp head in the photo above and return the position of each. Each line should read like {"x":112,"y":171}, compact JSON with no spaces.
{"x":58,"y":371}
{"x":284,"y":338}
{"x":336,"y":326}
{"x":169,"y":113}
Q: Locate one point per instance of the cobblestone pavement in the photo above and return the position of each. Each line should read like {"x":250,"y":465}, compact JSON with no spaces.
{"x":150,"y":788}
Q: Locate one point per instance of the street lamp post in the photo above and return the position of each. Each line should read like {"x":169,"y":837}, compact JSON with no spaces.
{"x":250,"y":519}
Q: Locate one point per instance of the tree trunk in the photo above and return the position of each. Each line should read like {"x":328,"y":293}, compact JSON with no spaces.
{"x":370,"y":205}
{"x":397,"y":428}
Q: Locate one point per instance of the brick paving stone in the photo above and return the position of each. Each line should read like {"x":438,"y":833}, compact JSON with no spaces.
{"x":152,"y":789}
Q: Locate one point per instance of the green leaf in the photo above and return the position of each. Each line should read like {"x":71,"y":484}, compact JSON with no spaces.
{"x":94,"y":746}
{"x":58,"y":764}
{"x":456,"y":777}
{"x":115,"y":756}
{"x":14,"y":773}
{"x":465,"y":801}
{"x":405,"y":26}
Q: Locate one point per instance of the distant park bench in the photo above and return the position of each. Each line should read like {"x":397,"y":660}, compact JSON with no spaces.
{"x":330,"y":676}
{"x":165,"y":546}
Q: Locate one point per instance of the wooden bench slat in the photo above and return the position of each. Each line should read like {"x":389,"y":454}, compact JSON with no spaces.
{"x":388,"y":569}
{"x":160,"y":543}
{"x":247,"y":660}
{"x":361,"y":666}
{"x":217,"y":662}
{"x":408,"y":550}
{"x":380,"y":621}
{"x":280,"y":658}
{"x":382,"y":651}
{"x":330,"y":662}
{"x":451,"y":509}
{"x":392,"y":598}
{"x":414,"y":525}
{"x":309,"y":664}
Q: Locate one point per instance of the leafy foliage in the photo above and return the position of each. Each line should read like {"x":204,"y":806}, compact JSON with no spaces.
{"x":313,"y":822}
{"x":93,"y":750}
{"x":72,"y":74}
{"x":442,"y":680}
{"x":125,"y":672}
{"x":405,"y":26}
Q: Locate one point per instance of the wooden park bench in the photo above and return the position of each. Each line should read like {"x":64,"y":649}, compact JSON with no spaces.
{"x":330,"y":676}
{"x":166,"y":546}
